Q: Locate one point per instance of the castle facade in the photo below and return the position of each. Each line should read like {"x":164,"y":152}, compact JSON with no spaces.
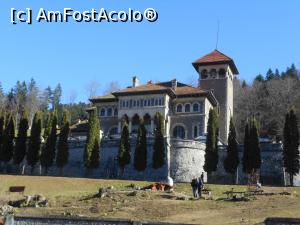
{"x":185,"y":108}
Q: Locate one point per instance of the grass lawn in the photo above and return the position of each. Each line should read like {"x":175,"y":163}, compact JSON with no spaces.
{"x":73,"y":196}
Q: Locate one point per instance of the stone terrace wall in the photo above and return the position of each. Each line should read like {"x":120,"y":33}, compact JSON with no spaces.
{"x":108,"y":163}
{"x":271,"y":172}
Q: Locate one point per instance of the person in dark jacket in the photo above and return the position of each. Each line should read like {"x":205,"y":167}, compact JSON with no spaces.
{"x":202,"y":177}
{"x":194,"y":185}
{"x":200,"y":186}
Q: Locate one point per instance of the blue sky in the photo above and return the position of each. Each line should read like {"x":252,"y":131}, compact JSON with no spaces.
{"x":257,"y":34}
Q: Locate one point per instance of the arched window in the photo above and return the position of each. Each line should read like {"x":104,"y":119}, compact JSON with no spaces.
{"x":134,"y":103}
{"x":135,"y":123}
{"x":213,"y":73}
{"x":195,"y":131}
{"x":179,"y":132}
{"x":196,"y":107}
{"x":204,"y":74}
{"x":156,"y":102}
{"x":187,"y":108}
{"x":102,"y":112}
{"x":109,"y":112}
{"x":116,"y":112}
{"x":222,"y":73}
{"x":179,"y":108}
{"x":147,"y":123}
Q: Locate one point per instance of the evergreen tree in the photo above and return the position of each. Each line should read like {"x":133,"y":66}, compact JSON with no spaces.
{"x":48,"y":150}
{"x":270,"y":75}
{"x":277,"y":74}
{"x":291,"y":71}
{"x":159,"y":143}
{"x":63,"y":146}
{"x":254,"y":146}
{"x":2,"y":123}
{"x":291,"y":146}
{"x":7,"y":148}
{"x":211,"y":150}
{"x":259,"y":78}
{"x":252,"y":156}
{"x":231,"y":161}
{"x":35,"y":141}
{"x":92,"y":147}
{"x":124,"y":155}
{"x":140,"y":154}
{"x":246,"y":166}
{"x":21,"y":141}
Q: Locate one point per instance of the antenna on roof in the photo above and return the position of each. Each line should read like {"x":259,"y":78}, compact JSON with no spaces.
{"x":217,"y":42}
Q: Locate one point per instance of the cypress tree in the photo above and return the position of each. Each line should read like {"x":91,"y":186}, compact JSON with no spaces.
{"x":124,"y":155}
{"x":21,"y":141}
{"x":254,"y":146}
{"x":91,"y":153}
{"x":35,"y":141}
{"x":246,"y":165}
{"x":140,"y":154}
{"x":159,"y":143}
{"x":252,"y":156}
{"x":63,"y":146}
{"x":211,"y":151}
{"x":8,"y":140}
{"x":231,"y":161}
{"x":2,"y":122}
{"x":291,"y":146}
{"x":48,"y":150}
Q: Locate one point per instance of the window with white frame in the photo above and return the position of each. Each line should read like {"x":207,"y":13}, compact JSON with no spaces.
{"x":196,"y":107}
{"x":187,"y":108}
{"x":179,"y":108}
{"x":102,"y":112}
{"x":109,"y":112}
{"x":179,"y":132}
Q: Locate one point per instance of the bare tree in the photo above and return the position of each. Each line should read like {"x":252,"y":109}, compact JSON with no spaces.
{"x":112,"y":86}
{"x":73,"y":96}
{"x":92,"y":88}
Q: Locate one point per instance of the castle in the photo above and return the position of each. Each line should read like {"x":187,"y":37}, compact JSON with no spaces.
{"x":185,"y":108}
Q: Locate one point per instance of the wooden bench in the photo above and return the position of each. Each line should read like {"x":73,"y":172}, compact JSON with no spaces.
{"x":16,"y":189}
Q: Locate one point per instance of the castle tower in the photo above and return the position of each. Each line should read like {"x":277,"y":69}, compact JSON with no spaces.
{"x":216,"y":73}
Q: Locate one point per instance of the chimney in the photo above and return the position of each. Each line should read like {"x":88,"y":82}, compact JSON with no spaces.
{"x":174,"y":84}
{"x":135,"y":81}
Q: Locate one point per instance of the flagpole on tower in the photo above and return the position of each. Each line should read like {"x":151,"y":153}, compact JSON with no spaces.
{"x":217,"y":42}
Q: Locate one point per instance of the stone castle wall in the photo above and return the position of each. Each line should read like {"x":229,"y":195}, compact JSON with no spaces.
{"x":184,"y":160}
{"x":271,"y":172}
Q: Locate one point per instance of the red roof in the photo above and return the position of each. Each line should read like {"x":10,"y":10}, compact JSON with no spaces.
{"x":215,"y":57}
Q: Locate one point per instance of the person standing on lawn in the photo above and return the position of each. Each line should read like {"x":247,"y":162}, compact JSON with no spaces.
{"x":200,"y":186}
{"x":194,"y":185}
{"x":202,"y":177}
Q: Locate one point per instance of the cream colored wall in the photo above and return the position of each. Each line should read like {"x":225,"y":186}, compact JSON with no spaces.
{"x":207,"y":107}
